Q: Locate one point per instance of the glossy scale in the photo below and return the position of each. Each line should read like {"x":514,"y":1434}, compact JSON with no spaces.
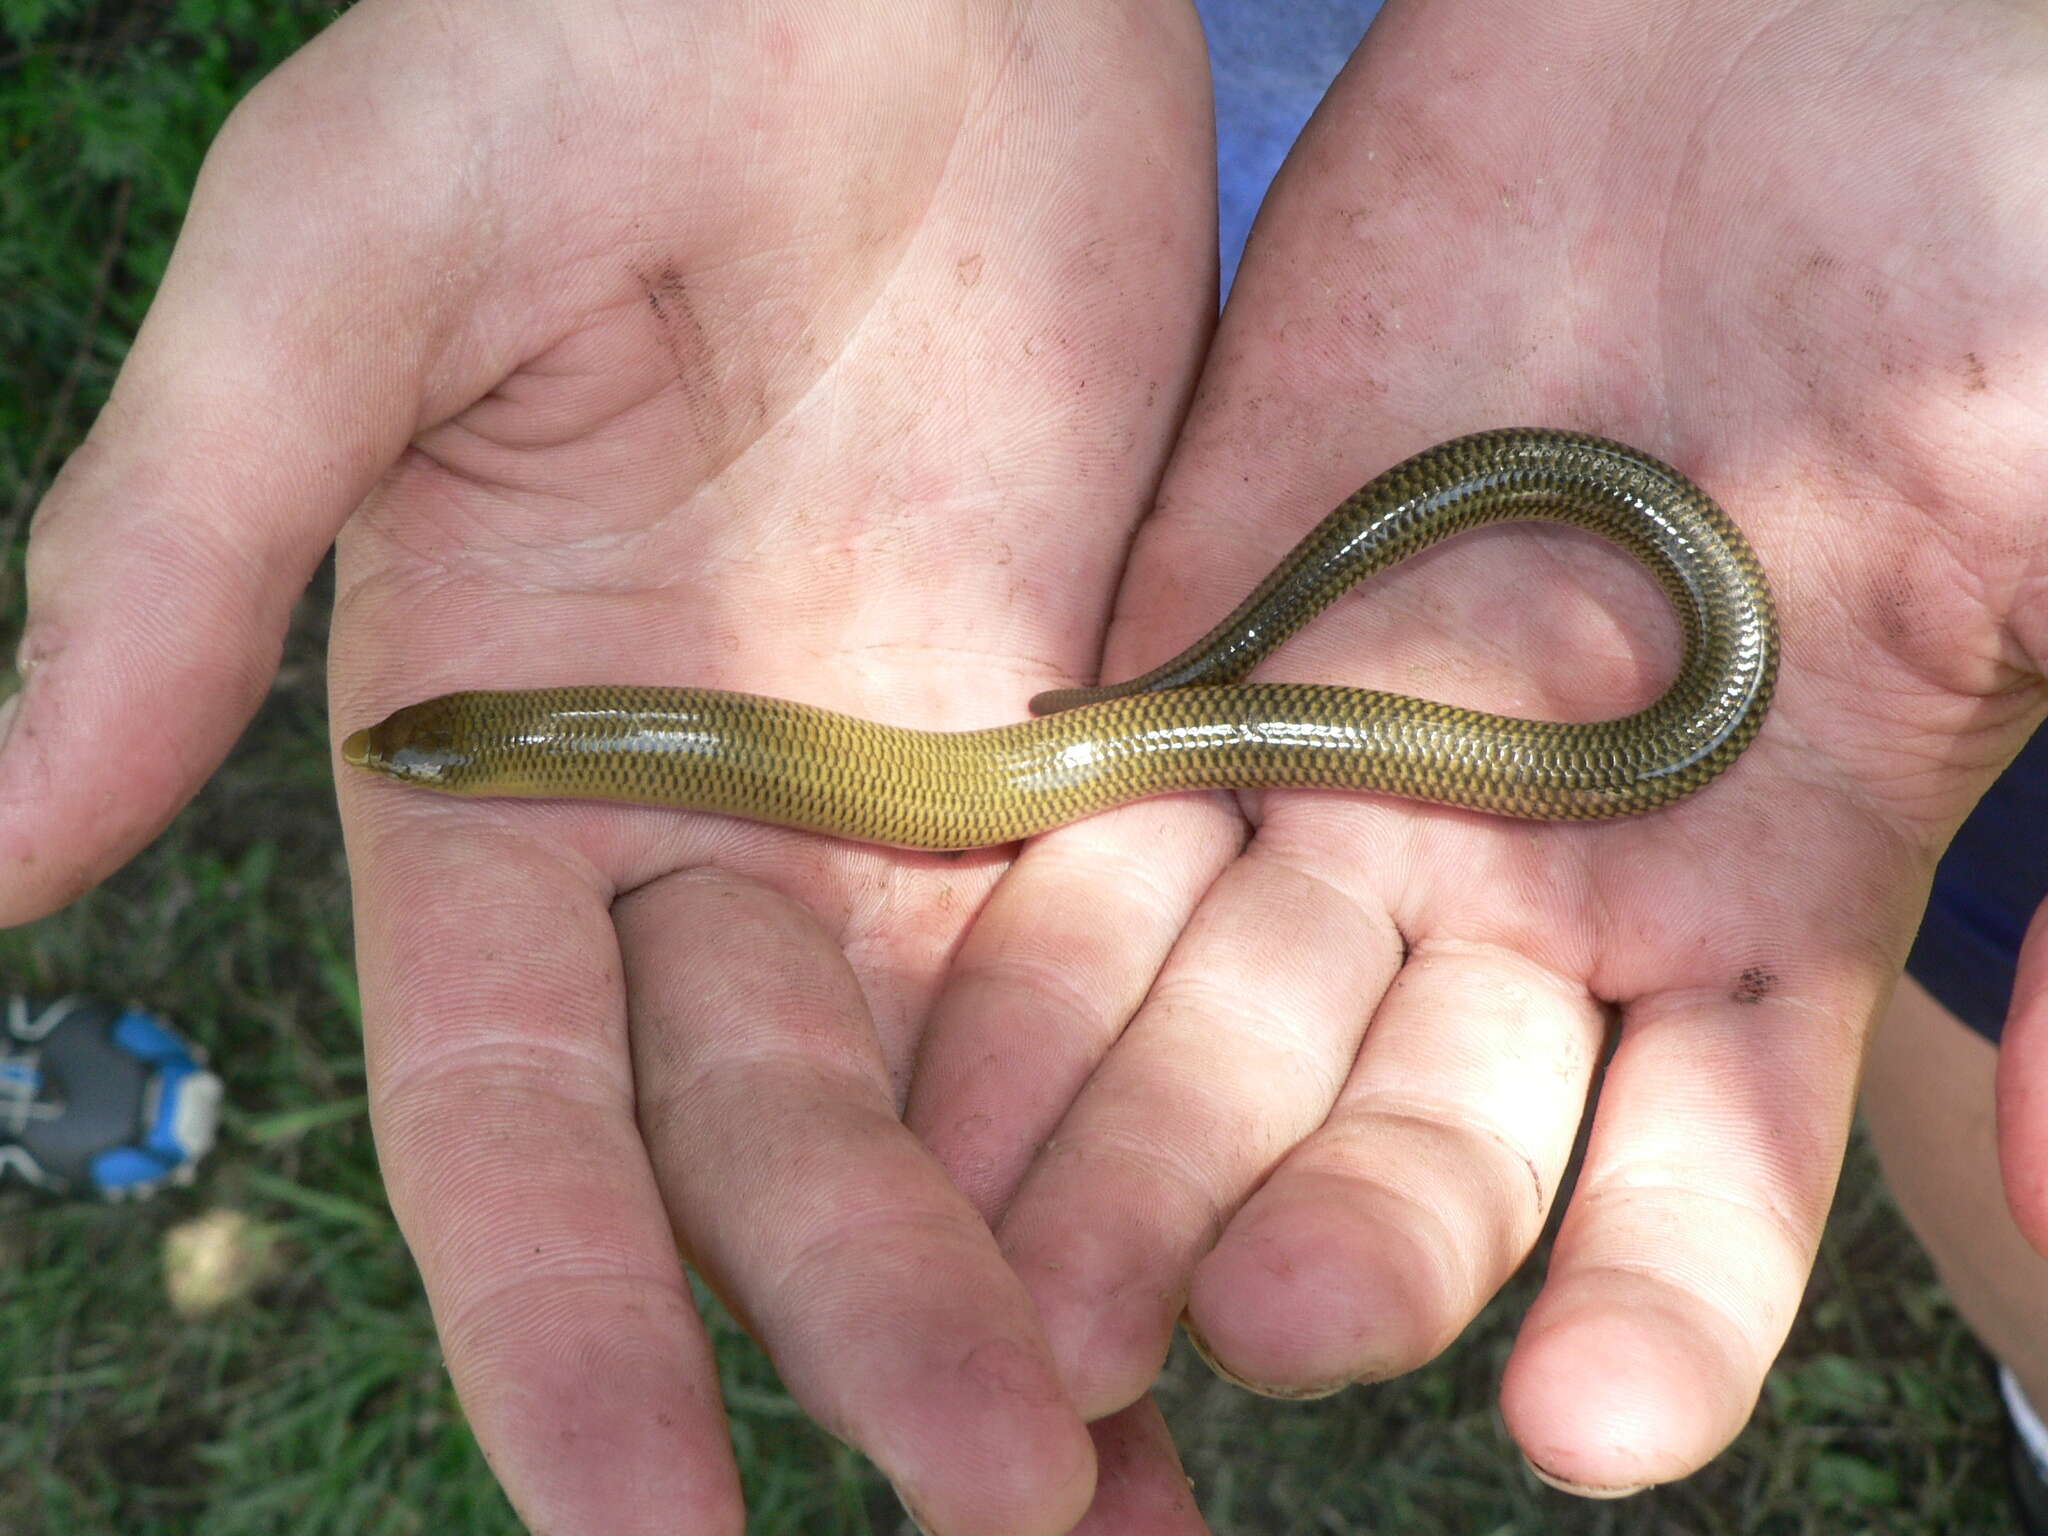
{"x":1191,"y":723}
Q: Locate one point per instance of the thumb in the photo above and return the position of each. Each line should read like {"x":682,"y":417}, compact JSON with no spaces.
{"x":2023,"y":1088}
{"x":277,"y":376}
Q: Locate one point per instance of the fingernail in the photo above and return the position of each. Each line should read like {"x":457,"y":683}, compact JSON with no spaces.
{"x":1284,"y":1394}
{"x":909,"y":1513}
{"x":1580,"y":1490}
{"x":8,"y":711}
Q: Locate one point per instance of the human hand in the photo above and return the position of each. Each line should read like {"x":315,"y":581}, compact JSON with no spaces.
{"x":823,"y":351}
{"x":2023,"y":1088}
{"x":1327,"y":1102}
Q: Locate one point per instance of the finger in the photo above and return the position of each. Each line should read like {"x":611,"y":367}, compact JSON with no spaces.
{"x":280,"y":371}
{"x":1140,"y":1488}
{"x":1688,"y":1239}
{"x":808,"y":1206}
{"x":1384,"y":1233}
{"x":2023,"y":1088}
{"x":1056,"y":964}
{"x":502,"y":1096}
{"x":1237,"y":1054}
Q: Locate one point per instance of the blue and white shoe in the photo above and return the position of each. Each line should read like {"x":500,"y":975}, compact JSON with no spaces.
{"x":2026,"y":1454}
{"x":100,"y":1100}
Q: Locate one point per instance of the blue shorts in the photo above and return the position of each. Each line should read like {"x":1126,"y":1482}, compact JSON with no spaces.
{"x":1272,"y":64}
{"x":1988,"y":884}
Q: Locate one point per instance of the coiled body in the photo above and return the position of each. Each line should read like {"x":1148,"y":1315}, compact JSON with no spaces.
{"x":1191,"y":723}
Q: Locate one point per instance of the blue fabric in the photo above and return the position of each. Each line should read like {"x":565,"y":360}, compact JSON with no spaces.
{"x":144,"y":1037}
{"x":1988,"y":884}
{"x":20,"y":1078}
{"x":1271,"y":65}
{"x":126,"y":1168}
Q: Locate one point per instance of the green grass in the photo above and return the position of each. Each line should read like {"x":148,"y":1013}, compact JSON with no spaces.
{"x":319,"y":1404}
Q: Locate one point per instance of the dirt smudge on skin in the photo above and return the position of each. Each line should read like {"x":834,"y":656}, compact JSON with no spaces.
{"x":1753,"y":985}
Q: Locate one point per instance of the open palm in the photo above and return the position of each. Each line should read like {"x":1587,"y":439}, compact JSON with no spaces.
{"x":824,"y":447}
{"x":1329,"y":1083}
{"x":772,"y":348}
